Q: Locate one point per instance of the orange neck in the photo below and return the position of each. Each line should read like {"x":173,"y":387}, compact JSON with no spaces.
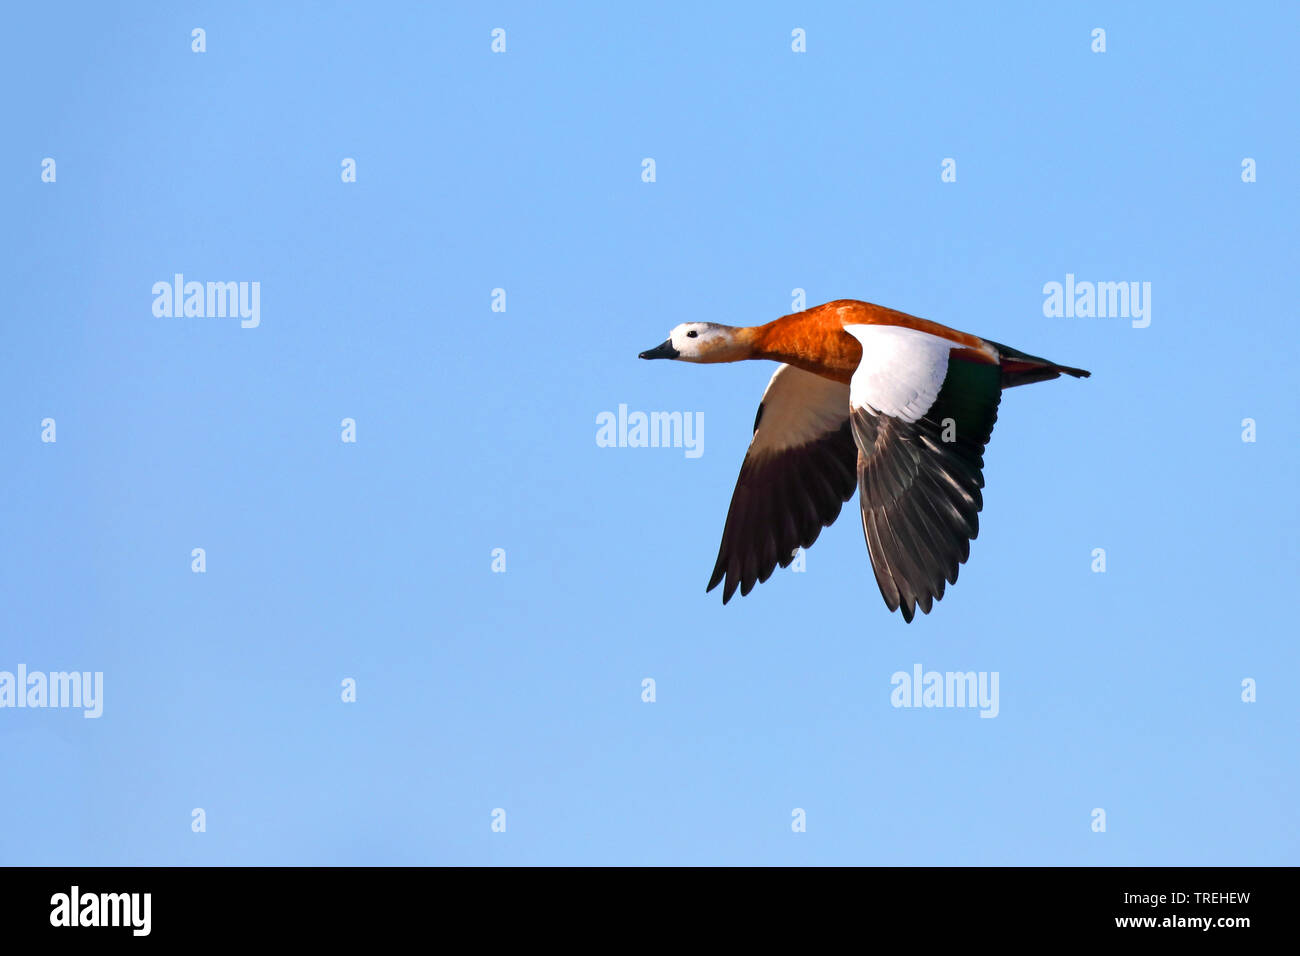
{"x":821,"y":348}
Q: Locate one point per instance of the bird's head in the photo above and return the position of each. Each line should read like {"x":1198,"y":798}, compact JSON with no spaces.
{"x":700,"y":342}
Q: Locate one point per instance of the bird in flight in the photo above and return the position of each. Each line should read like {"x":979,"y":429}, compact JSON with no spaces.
{"x":896,"y":406}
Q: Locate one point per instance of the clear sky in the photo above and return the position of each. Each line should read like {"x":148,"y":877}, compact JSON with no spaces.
{"x":475,"y":430}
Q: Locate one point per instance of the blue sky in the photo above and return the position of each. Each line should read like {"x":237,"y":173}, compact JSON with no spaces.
{"x":476,"y":430}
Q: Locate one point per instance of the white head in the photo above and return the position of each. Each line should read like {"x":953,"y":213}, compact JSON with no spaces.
{"x":700,"y":342}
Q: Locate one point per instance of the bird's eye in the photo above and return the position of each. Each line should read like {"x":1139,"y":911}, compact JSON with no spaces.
{"x":692,"y":334}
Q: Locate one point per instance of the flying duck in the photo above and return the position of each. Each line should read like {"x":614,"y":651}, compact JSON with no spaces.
{"x":894,"y":405}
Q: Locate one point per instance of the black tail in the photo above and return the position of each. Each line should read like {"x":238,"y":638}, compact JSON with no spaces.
{"x":1021,"y":369}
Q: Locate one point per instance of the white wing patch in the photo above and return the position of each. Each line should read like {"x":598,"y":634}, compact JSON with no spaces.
{"x":798,"y":407}
{"x":901,"y":370}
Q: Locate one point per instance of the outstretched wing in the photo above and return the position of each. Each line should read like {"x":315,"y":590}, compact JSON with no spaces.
{"x":796,"y":476}
{"x":921,"y":415}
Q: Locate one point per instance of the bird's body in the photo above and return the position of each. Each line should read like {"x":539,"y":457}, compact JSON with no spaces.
{"x":865,"y":397}
{"x":817,"y":341}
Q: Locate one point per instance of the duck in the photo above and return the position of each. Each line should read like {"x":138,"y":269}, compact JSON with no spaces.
{"x":864,"y":398}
